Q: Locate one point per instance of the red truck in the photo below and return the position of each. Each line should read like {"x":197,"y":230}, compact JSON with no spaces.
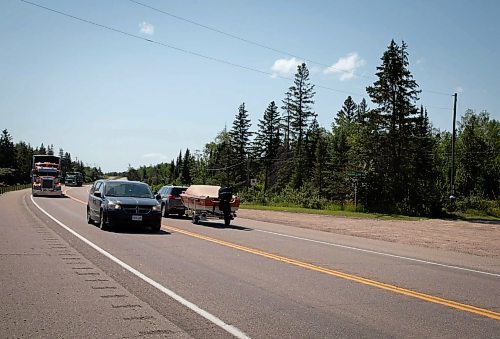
{"x":46,"y":175}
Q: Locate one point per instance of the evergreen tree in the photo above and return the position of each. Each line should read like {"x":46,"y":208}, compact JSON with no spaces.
{"x":240,"y":134}
{"x":348,"y":113}
{"x":186,"y":168}
{"x":478,"y":159}
{"x":177,"y":168}
{"x":7,"y":151}
{"x":267,"y":140}
{"x":395,"y":93}
{"x":171,"y":172}
{"x":24,"y":153}
{"x":424,"y":196}
{"x":301,"y":99}
{"x":41,"y":150}
{"x":66,"y":163}
{"x":286,"y":119}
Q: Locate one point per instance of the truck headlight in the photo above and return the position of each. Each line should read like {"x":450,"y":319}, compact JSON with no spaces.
{"x":156,"y":208}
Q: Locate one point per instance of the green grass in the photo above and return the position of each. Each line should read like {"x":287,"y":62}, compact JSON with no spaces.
{"x":472,"y":215}
{"x":339,"y":213}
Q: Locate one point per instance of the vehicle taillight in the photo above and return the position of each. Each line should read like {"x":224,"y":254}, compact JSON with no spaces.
{"x":171,"y":196}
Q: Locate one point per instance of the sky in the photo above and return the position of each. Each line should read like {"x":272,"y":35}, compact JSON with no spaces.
{"x":121,"y":83}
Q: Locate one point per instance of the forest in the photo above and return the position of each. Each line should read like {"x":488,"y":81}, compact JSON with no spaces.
{"x":15,"y":161}
{"x":381,"y":155}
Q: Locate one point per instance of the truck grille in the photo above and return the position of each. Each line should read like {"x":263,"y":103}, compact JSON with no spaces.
{"x":136,"y":209}
{"x":47,"y":183}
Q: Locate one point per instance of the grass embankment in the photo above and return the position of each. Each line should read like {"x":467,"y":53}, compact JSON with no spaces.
{"x":466,"y":216}
{"x":338,"y":213}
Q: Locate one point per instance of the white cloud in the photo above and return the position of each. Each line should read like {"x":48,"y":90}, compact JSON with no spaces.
{"x":146,"y":28}
{"x":420,"y":61}
{"x":155,"y":156}
{"x":346,"y":66}
{"x":285,"y":66}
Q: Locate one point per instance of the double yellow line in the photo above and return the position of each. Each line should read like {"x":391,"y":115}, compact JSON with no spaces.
{"x":338,"y":274}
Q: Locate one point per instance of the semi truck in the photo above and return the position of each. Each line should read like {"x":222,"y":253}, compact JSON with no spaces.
{"x":46,"y":175}
{"x":73,"y":179}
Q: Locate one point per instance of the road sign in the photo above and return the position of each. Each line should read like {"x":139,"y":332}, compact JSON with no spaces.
{"x":354,"y":174}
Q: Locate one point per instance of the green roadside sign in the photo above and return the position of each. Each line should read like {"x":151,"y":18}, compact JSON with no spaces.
{"x":354,"y":174}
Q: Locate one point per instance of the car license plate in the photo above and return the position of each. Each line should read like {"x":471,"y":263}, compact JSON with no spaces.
{"x":137,"y":217}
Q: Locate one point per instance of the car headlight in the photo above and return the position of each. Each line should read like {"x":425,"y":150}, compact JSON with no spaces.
{"x":114,"y":206}
{"x":156,"y":208}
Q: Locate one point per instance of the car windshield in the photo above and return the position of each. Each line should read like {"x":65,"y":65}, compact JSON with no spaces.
{"x":47,"y":172}
{"x":127,"y":189}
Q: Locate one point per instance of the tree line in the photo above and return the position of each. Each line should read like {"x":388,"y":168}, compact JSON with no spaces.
{"x":16,"y":161}
{"x":386,"y":158}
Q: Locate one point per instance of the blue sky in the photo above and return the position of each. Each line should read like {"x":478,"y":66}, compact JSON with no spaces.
{"x":112,"y":99}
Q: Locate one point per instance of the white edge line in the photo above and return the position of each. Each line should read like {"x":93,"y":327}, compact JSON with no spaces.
{"x":210,"y":317}
{"x":380,"y":253}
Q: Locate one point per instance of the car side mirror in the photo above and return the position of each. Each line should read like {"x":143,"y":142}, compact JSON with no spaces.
{"x":97,"y":194}
{"x":158,"y":197}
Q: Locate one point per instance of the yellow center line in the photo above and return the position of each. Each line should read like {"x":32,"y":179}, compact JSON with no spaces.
{"x":338,"y":274}
{"x":73,"y":198}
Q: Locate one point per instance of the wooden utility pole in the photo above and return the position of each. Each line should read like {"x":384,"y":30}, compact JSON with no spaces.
{"x":452,"y":193}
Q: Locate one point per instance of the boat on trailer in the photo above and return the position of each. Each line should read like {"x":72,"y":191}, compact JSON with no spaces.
{"x":205,"y":202}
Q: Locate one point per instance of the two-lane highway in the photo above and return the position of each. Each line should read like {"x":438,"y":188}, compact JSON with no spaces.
{"x":251,"y":279}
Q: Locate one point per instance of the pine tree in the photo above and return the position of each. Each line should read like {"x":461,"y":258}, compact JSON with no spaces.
{"x":302,"y":93}
{"x":395,"y":93}
{"x":240,"y":134}
{"x":478,"y":155}
{"x":186,"y":168}
{"x":267,"y":140}
{"x":286,"y":119}
{"x":171,"y":172}
{"x":348,"y":113}
{"x":24,"y":153}
{"x":42,"y":150}
{"x":301,"y":99}
{"x":178,"y":167}
{"x":7,"y":151}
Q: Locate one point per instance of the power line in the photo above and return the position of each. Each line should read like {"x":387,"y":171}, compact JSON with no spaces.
{"x":262,"y":45}
{"x":180,"y":49}
{"x":235,"y":36}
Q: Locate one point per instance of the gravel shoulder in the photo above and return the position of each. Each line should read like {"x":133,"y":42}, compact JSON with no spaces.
{"x":476,"y":238}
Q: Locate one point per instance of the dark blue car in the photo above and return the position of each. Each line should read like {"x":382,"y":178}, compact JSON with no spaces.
{"x":113,"y":203}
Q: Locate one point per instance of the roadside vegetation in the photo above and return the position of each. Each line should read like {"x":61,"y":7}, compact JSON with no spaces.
{"x":380,"y":156}
{"x":15,"y":162}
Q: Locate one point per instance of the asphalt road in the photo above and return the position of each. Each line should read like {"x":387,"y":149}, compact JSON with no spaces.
{"x":60,"y":277}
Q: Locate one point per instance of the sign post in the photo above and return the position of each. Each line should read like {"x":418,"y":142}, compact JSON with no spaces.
{"x":355,"y":178}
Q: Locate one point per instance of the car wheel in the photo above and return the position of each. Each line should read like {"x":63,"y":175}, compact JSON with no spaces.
{"x":89,"y":218}
{"x":102,"y":224}
{"x":156,"y":228}
{"x":164,"y":211}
